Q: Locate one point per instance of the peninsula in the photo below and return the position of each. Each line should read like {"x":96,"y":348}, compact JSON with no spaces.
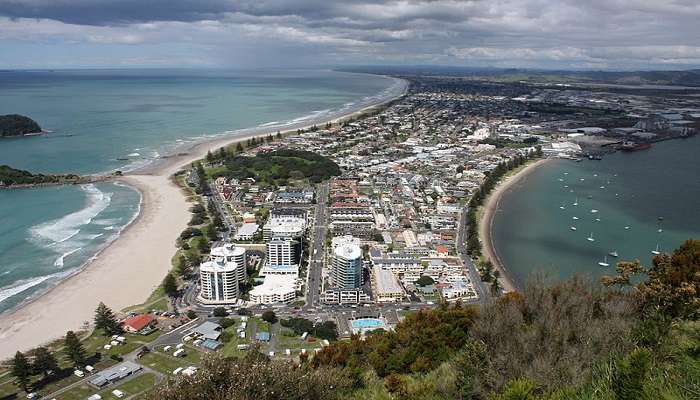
{"x":18,"y":125}
{"x":15,"y":178}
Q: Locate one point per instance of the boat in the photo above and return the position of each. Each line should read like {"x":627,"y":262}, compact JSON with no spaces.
{"x":573,"y":228}
{"x":602,"y":187}
{"x":627,"y":228}
{"x":595,"y":174}
{"x":613,"y":253}
{"x":575,"y":203}
{"x":562,"y":207}
{"x":582,"y":179}
{"x":590,"y":238}
{"x":594,"y":211}
{"x":561,"y":180}
{"x":597,"y":220}
{"x":604,"y":263}
{"x":656,"y":252}
{"x":632,"y":146}
{"x":574,"y":218}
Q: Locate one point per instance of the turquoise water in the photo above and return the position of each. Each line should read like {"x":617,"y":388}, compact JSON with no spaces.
{"x":103,"y":120}
{"x":532,"y":233}
{"x":366,"y":323}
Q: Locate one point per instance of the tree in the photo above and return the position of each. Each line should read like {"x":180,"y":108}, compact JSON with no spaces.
{"x":74,"y":349}
{"x":425,"y":281}
{"x":269,"y":316}
{"x":44,"y":361}
{"x":227,"y":322}
{"x":170,"y":285}
{"x":21,"y":370}
{"x":210,"y":157}
{"x":105,"y":320}
{"x":326,"y":330}
{"x":239,"y":147}
{"x":220,"y":312}
{"x":191,"y":314}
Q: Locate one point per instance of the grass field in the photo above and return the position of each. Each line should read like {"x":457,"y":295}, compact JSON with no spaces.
{"x":132,"y":386}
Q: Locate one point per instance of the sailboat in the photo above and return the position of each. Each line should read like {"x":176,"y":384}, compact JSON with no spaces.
{"x":594,"y":211}
{"x":597,"y":220}
{"x":613,"y":253}
{"x":590,"y":238}
{"x":627,"y":228}
{"x":656,"y":252}
{"x":562,"y":207}
{"x":604,"y":263}
{"x":574,"y":218}
{"x":575,"y":202}
{"x":561,"y":180}
{"x":573,"y":228}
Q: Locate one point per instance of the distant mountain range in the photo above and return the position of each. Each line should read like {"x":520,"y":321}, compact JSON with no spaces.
{"x":676,"y":78}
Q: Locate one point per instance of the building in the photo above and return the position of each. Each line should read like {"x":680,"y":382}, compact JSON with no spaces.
{"x":114,"y":374}
{"x":295,"y":197}
{"x":232,"y":254}
{"x":220,"y":276}
{"x":137,"y":323}
{"x":346,"y":264}
{"x":385,"y":286}
{"x":208,"y":330}
{"x":284,"y":228}
{"x":282,"y":253}
{"x":247,"y":231}
{"x":352,"y":296}
{"x":275,"y":289}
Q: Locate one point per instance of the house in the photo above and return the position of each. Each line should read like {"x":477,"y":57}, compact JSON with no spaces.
{"x":115,"y":373}
{"x":138,"y":323}
{"x":441,"y":251}
{"x":208,"y":330}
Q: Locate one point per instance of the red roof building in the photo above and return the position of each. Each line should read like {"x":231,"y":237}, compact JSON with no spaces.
{"x":138,"y":322}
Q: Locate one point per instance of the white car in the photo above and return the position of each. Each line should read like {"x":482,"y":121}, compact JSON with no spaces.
{"x":118,"y":393}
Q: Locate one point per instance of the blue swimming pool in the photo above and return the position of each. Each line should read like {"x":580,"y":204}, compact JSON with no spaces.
{"x":363,"y":325}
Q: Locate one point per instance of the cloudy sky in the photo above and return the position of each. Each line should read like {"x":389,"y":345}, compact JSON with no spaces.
{"x":582,"y":34}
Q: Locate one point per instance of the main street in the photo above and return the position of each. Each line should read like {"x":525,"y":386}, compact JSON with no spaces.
{"x":316,"y":250}
{"x":461,"y":248}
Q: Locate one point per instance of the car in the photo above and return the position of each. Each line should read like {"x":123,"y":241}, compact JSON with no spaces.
{"x":118,"y":393}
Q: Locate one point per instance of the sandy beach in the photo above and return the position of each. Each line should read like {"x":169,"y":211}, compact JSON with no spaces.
{"x":486,"y":223}
{"x":128,"y":270}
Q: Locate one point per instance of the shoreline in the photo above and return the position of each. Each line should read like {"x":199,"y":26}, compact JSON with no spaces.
{"x":487,"y":218}
{"x":140,"y":257}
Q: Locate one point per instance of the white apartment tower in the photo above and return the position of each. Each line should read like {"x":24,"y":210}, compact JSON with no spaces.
{"x":346,"y":271}
{"x":220,"y":276}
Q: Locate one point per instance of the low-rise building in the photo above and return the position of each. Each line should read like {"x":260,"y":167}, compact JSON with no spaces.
{"x":386,"y":287}
{"x":275,"y":289}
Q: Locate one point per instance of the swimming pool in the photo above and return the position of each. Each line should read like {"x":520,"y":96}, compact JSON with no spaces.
{"x":363,"y":325}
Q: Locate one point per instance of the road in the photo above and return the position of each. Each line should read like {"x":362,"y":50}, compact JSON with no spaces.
{"x":461,"y":247}
{"x":316,"y":248}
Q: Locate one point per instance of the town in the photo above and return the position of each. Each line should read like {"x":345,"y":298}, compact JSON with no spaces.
{"x":302,"y":238}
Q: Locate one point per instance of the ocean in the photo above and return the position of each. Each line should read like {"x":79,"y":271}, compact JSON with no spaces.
{"x":629,"y":203}
{"x":106,"y":120}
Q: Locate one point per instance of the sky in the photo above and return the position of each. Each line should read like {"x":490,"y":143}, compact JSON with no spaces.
{"x":543,"y":34}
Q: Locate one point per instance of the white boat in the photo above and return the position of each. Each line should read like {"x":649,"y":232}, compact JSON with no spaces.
{"x":582,"y":179}
{"x":573,"y":228}
{"x":627,"y":228}
{"x":590,"y":238}
{"x":613,"y":253}
{"x":566,"y":186}
{"x":656,"y":252}
{"x":604,"y":263}
{"x":566,"y":173}
{"x":574,"y":218}
{"x":659,"y":230}
{"x":562,"y":207}
{"x":575,"y":202}
{"x":602,"y":187}
{"x":597,"y":220}
{"x":594,"y":211}
{"x":595,"y":174}
{"x":561,"y":180}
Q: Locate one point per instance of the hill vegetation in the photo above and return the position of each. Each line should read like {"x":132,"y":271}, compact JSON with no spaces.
{"x":16,"y":177}
{"x":571,"y":340}
{"x":279,"y":167}
{"x":17,"y":125}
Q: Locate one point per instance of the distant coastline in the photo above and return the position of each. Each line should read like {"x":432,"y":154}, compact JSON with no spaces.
{"x":490,"y":209}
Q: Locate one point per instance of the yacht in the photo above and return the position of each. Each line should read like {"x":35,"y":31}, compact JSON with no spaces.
{"x":594,"y":211}
{"x":575,"y":202}
{"x":627,"y":228}
{"x":590,"y":238}
{"x":574,"y":218}
{"x":613,"y":253}
{"x":561,"y":180}
{"x":656,"y":252}
{"x":604,"y":263}
{"x":597,"y":220}
{"x":573,"y":228}
{"x":562,"y":207}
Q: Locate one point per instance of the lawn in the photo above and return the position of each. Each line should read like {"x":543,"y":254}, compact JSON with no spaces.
{"x":156,"y":301}
{"x":164,"y":363}
{"x":136,"y":385}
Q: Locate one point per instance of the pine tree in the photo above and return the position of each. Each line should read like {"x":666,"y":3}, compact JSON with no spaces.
{"x":239,"y":147}
{"x":210,"y":157}
{"x":170,"y":285}
{"x":222,"y":153}
{"x":105,"y":320}
{"x":44,"y":361}
{"x":74,"y":349}
{"x":22,"y":370}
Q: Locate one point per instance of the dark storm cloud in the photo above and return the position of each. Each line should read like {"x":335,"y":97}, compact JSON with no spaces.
{"x":552,"y":33}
